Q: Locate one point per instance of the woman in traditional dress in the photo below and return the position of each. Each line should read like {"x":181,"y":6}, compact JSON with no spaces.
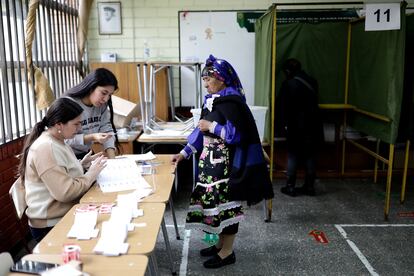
{"x":231,"y":164}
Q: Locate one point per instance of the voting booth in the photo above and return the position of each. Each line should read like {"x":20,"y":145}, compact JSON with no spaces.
{"x":358,"y":64}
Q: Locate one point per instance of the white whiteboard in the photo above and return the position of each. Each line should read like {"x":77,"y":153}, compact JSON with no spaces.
{"x":217,"y":33}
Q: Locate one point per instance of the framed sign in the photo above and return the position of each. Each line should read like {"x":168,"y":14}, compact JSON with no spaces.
{"x":382,"y":17}
{"x":109,"y":17}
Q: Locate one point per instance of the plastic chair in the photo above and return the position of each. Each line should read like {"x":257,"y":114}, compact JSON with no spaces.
{"x":17,"y":195}
{"x":6,"y":261}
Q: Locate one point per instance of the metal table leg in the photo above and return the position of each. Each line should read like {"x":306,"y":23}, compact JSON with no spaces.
{"x":174,"y":218}
{"x":176,"y":180}
{"x":194,"y":170}
{"x":153,"y":266}
{"x":267,"y":207}
{"x":167,"y":245}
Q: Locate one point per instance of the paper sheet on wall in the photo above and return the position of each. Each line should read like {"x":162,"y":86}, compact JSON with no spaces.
{"x":121,"y":175}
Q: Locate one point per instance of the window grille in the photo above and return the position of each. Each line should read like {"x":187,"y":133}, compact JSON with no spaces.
{"x":54,"y":52}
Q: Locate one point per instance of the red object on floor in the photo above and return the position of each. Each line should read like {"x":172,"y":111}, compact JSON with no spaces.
{"x":319,"y":236}
{"x":406,"y":214}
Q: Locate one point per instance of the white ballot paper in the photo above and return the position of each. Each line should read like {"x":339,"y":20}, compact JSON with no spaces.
{"x":112,"y":241}
{"x":121,"y":175}
{"x":65,"y":270}
{"x":83,"y":227}
{"x":129,"y":202}
{"x":139,"y":157}
{"x":167,"y":133}
{"x":126,"y":209}
{"x":73,"y":268}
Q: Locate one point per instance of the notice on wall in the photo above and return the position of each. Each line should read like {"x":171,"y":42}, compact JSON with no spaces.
{"x":227,"y":35}
{"x":382,"y":17}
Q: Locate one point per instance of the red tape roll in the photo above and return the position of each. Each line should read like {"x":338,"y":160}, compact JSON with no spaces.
{"x":71,"y":252}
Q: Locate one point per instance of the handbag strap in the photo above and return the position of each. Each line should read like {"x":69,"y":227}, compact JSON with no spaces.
{"x":305,"y":83}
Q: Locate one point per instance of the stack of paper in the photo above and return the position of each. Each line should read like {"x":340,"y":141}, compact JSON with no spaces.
{"x":73,"y":268}
{"x":83,"y":227}
{"x":112,"y":239}
{"x":121,"y":175}
{"x":127,"y":208}
{"x":115,"y":230}
{"x":139,"y":157}
{"x":167,"y":133}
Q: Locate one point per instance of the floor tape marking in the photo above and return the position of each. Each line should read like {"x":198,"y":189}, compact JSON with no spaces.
{"x":184,"y":253}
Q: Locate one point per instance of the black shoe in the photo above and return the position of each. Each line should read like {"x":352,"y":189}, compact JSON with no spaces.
{"x":305,"y":190}
{"x":209,"y":251}
{"x":216,"y":261}
{"x":288,"y":190}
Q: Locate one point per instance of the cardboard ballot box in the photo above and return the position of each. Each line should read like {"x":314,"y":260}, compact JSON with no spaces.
{"x":124,"y":111}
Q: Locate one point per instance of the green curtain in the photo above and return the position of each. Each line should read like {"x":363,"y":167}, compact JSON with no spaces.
{"x":321,"y":48}
{"x":263,"y":65}
{"x":376,"y":79}
{"x":406,"y":128}
{"x":376,"y":68}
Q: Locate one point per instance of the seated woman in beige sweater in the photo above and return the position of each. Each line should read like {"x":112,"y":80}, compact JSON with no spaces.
{"x":52,"y":176}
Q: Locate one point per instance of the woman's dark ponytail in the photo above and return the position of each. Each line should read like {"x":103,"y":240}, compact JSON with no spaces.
{"x":62,"y":110}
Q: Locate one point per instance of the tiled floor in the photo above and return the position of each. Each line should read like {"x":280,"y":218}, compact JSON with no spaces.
{"x":349,"y":212}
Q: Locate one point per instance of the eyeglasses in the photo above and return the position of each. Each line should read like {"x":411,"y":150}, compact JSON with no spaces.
{"x":212,"y":73}
{"x":209,"y":72}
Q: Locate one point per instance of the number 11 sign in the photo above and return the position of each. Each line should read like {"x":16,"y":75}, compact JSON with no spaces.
{"x":381,"y":17}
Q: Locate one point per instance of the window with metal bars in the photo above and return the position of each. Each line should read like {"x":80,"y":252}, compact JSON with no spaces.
{"x":54,"y":52}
